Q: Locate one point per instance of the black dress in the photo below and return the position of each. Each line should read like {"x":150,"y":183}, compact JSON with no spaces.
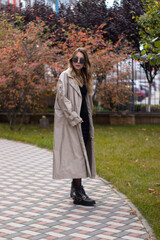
{"x":84,"y":115}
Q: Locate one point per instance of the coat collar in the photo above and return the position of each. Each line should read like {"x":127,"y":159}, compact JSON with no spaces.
{"x":73,"y":83}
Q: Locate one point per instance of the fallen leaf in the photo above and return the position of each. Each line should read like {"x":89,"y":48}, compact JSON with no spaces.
{"x":128,"y":184}
{"x":146,"y":139}
{"x":143,"y":129}
{"x":157,"y":184}
{"x":156,"y":192}
{"x":133,"y":212}
{"x":151,"y":190}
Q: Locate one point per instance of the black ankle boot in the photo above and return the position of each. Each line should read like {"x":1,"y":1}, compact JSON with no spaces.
{"x":81,"y":198}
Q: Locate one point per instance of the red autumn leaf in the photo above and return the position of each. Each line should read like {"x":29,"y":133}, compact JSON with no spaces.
{"x":156,"y":192}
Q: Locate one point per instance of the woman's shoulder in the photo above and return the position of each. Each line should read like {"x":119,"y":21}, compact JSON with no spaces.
{"x":65,"y":74}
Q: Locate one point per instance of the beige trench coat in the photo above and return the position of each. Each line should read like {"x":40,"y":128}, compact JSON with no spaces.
{"x":71,"y":159}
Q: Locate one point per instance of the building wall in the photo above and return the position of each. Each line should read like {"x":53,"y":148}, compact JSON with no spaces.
{"x":54,"y":4}
{"x":14,"y":3}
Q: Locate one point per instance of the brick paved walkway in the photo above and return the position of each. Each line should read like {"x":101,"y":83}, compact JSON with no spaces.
{"x":34,"y":206}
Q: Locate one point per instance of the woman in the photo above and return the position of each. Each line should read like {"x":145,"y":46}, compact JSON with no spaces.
{"x":73,"y":154}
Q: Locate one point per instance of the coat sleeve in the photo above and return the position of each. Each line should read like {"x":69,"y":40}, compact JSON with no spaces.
{"x":64,"y":103}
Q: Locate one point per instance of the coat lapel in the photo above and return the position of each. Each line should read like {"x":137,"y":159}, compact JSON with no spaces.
{"x":73,"y":83}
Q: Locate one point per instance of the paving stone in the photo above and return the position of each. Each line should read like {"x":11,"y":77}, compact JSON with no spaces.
{"x":40,"y":236}
{"x":125,"y":227}
{"x":93,"y":238}
{"x":36,"y":207}
{"x":120,"y":234}
{"x":11,"y":236}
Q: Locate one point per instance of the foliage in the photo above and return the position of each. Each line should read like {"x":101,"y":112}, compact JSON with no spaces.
{"x":149,"y":56}
{"x":90,"y":14}
{"x":23,"y":68}
{"x":86,"y":13}
{"x":143,"y":107}
{"x":112,"y":75}
{"x":104,"y":57}
{"x":119,"y":21}
{"x":43,"y":12}
{"x":150,"y":32}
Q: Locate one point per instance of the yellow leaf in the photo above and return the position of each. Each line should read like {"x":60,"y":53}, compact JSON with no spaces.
{"x":128,"y":184}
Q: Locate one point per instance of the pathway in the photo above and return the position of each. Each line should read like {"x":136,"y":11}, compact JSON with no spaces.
{"x":34,"y":206}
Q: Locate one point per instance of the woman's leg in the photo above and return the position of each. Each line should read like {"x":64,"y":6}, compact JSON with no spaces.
{"x":77,"y":182}
{"x":78,"y":194}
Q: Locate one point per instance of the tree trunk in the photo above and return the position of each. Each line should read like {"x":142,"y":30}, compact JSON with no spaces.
{"x":149,"y":98}
{"x":151,"y":72}
{"x":12,"y":119}
{"x":99,"y":106}
{"x":21,"y":122}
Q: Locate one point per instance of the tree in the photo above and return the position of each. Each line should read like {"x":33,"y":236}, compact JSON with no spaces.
{"x":43,"y":12}
{"x":104,"y":58}
{"x":150,"y":31}
{"x":24,"y":57}
{"x":86,"y":13}
{"x":150,"y":42}
{"x":26,"y":54}
{"x":119,"y":21}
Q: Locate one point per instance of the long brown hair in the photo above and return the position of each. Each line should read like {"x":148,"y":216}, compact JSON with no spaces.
{"x":86,"y":73}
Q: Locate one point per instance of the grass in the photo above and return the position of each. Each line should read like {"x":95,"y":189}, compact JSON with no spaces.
{"x":128,"y":157}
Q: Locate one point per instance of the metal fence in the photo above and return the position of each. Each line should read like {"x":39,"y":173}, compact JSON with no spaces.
{"x":140,"y":91}
{"x":141,"y":84}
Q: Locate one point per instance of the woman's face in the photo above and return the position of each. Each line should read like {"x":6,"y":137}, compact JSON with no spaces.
{"x":78,"y":61}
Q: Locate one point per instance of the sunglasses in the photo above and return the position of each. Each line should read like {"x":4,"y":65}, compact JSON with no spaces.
{"x":76,"y":59}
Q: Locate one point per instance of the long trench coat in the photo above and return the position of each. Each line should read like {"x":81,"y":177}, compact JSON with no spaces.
{"x":71,"y":159}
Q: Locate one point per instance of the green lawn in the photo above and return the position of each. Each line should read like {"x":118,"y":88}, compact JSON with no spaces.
{"x":128,"y":157}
